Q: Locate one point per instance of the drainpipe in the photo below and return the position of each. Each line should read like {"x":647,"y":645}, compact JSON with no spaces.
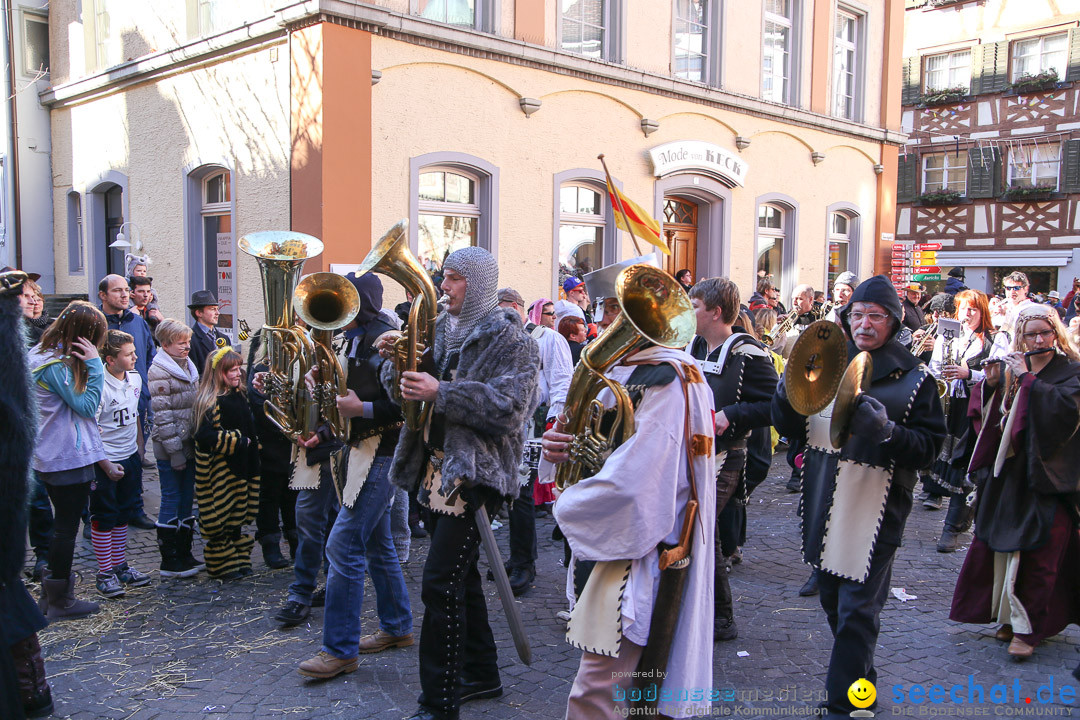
{"x":13,"y":141}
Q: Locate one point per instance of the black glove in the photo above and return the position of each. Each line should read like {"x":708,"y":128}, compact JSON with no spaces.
{"x":871,"y":421}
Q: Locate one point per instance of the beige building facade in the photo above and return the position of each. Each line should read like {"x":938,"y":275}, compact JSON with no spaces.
{"x":762,"y":134}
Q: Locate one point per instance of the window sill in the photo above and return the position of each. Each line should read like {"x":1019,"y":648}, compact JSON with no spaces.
{"x":943,"y":203}
{"x":1031,"y":197}
{"x":950,"y":100}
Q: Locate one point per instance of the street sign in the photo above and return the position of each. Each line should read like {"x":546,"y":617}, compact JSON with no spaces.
{"x":927,"y":246}
{"x":899,"y":255}
{"x":927,"y":269}
{"x":928,"y":276}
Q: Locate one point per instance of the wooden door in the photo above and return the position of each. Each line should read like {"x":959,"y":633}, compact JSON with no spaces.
{"x":680,"y":232}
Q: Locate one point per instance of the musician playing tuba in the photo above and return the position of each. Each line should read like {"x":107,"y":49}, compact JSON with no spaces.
{"x":466,"y":455}
{"x":628,"y":517}
{"x":856,"y":499}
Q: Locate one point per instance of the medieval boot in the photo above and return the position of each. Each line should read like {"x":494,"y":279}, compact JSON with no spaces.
{"x":954,"y":522}
{"x":271,"y":547}
{"x":171,"y":566}
{"x":62,"y":602}
{"x":724,"y":627}
{"x":810,"y":587}
{"x":184,"y":535}
{"x":33,"y":684}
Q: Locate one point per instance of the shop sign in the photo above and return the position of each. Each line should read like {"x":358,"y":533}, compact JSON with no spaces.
{"x":927,"y":276}
{"x":694,"y":155}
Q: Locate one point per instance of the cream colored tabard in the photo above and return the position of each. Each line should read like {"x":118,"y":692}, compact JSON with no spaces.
{"x":304,"y":477}
{"x":596,"y":620}
{"x":361,"y":458}
{"x":857,"y":509}
{"x":817,"y":430}
{"x":433,"y":482}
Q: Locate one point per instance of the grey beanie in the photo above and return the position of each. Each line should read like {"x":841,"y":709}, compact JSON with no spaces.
{"x":847,"y":278}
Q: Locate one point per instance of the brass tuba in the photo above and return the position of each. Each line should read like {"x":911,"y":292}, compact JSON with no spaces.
{"x":391,"y":257}
{"x":326,"y":302}
{"x":654,"y":310}
{"x":281,"y":255}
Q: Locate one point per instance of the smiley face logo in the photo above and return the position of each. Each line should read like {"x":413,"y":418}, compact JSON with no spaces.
{"x":862,"y":693}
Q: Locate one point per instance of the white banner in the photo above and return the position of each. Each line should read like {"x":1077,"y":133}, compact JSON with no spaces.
{"x":226,"y":284}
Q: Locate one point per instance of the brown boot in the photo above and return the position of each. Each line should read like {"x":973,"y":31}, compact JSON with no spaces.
{"x":383,"y":641}
{"x":325,"y":666}
{"x":33,"y":685}
{"x":62,"y":602}
{"x":1020,"y":650}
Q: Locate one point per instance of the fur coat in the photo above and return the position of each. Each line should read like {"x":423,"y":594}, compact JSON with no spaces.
{"x":486,"y":406}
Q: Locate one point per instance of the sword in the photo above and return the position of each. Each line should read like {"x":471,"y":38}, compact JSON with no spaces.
{"x":506,"y":595}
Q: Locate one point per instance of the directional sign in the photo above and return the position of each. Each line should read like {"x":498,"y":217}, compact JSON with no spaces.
{"x":927,"y":246}
{"x":899,"y":262}
{"x":901,"y":246}
{"x":900,"y":256}
{"x":928,"y":276}
{"x":927,"y":269}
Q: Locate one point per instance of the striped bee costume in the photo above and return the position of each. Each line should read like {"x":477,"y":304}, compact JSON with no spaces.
{"x":227,"y":484}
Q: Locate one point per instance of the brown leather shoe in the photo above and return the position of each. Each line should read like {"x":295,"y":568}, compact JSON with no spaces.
{"x":1020,"y":650}
{"x":1004,"y":633}
{"x":383,"y":641}
{"x":324,"y":666}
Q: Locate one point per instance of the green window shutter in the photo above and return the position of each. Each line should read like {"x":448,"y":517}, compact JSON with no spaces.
{"x":983,"y":173}
{"x":1070,"y":166}
{"x":912,"y":72}
{"x":1073,"y":72}
{"x":907,"y":178}
{"x":993,"y":68}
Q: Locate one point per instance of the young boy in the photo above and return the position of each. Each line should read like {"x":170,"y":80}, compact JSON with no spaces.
{"x":118,"y":478}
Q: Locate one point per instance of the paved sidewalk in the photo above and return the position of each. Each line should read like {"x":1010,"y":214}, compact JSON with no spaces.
{"x":186,"y":649}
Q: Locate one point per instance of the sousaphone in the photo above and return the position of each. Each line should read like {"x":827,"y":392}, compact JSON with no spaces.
{"x":815,"y":367}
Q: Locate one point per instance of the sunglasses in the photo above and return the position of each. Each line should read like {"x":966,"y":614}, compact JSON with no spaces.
{"x":1013,"y":288}
{"x":547,"y":313}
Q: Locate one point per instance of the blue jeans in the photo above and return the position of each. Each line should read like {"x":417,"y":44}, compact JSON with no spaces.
{"x":315,"y":509}
{"x":177,"y":492}
{"x":359,"y":542}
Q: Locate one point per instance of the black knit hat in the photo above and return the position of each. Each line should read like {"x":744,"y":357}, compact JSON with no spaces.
{"x":957,"y":272}
{"x":878,"y":290}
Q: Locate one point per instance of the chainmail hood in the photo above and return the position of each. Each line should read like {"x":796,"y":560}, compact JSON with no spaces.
{"x":481,"y":274}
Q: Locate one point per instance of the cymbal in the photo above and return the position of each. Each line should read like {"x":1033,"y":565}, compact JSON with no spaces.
{"x":856,"y":381}
{"x":815,"y":366}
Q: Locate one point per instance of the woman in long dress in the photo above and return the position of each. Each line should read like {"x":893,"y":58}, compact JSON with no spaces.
{"x":1020,"y":569}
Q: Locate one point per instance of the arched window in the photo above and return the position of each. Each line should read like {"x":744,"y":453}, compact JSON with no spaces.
{"x":770,"y":243}
{"x":842,"y":250}
{"x":582,"y":222}
{"x":454,"y":203}
{"x":449,"y":214}
{"x":211,"y":245}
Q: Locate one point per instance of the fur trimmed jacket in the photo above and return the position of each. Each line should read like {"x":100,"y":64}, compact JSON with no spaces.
{"x":486,"y":407}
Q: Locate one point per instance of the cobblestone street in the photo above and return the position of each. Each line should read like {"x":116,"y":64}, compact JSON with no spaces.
{"x":184,"y":649}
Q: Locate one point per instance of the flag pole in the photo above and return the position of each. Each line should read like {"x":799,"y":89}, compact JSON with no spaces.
{"x":615,"y":197}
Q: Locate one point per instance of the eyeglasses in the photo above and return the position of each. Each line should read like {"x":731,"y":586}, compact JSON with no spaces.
{"x":1013,"y":288}
{"x":875,"y":318}
{"x":1047,"y":334}
{"x":547,"y":313}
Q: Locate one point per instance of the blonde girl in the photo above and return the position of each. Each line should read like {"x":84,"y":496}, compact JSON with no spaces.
{"x":226,"y":466}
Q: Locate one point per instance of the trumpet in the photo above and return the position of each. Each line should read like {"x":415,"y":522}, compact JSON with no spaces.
{"x":825,"y":309}
{"x":783,"y":326}
{"x":391,"y":257}
{"x":326,"y":302}
{"x":927,"y":340}
{"x":653,"y":310}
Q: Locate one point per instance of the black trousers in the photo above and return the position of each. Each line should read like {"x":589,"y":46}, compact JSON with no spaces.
{"x":730,"y":529}
{"x":69,"y":504}
{"x":523,"y":528}
{"x":456,"y":642}
{"x":854,"y":614}
{"x":277,"y":503}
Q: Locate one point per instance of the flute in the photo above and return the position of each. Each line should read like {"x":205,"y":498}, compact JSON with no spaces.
{"x":980,"y":364}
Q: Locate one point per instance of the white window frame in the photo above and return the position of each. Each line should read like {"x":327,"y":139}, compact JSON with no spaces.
{"x":612,"y":38}
{"x":954,"y":61}
{"x":953,"y":164}
{"x":585,"y":219}
{"x":779,"y":236}
{"x":1039,"y":171}
{"x":840,"y":106}
{"x":485,"y":14}
{"x":27,"y":18}
{"x":1041,"y":53}
{"x":709,"y":50}
{"x":789,"y":80}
